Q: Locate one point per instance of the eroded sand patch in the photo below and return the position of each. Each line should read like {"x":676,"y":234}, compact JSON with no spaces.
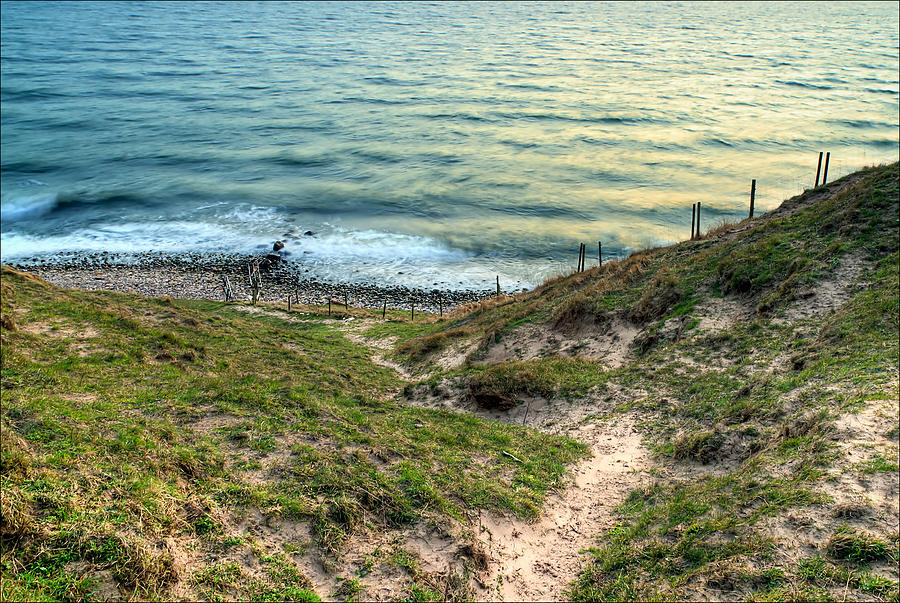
{"x":611,"y":344}
{"x":538,"y":561}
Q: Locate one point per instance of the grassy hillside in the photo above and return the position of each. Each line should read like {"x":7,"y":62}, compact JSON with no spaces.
{"x":198,"y":450}
{"x":137,"y":432}
{"x":753,"y":344}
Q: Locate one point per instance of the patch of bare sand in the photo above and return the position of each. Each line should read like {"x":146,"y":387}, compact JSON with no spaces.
{"x":60,"y":330}
{"x":511,"y":559}
{"x":715,"y":314}
{"x":282,"y":314}
{"x":538,"y":561}
{"x":866,"y":501}
{"x":861,"y":437}
{"x":610,"y":345}
{"x":832,"y":292}
{"x":379,"y":348}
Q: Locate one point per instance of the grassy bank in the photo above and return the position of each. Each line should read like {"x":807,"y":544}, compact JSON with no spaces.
{"x":755,"y":344}
{"x":135,"y":430}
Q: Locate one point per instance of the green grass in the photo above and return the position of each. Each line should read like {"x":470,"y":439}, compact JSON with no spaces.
{"x":156,"y":413}
{"x":772,"y":427}
{"x":128,"y":421}
{"x":850,"y":545}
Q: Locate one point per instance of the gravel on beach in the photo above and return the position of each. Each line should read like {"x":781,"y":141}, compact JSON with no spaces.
{"x":201,"y":276}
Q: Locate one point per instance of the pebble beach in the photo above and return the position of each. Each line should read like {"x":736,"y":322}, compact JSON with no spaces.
{"x":202,"y":276}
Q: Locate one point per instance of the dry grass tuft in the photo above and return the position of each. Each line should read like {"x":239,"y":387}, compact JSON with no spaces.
{"x":14,"y":453}
{"x":477,"y":554}
{"x":702,"y":446}
{"x":420,"y":348}
{"x":142,"y":567}
{"x":721,"y":227}
{"x":659,"y":296}
{"x":7,"y":323}
{"x":16,"y":519}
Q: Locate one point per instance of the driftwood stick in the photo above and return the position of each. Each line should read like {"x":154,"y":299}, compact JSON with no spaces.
{"x":513,"y":457}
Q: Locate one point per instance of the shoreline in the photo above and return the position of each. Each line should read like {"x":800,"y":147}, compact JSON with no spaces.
{"x":200,"y":276}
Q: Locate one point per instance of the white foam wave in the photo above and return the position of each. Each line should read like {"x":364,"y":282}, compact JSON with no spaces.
{"x":334,"y":254}
{"x":16,"y":207}
{"x":127,"y":238}
{"x":378,"y":246}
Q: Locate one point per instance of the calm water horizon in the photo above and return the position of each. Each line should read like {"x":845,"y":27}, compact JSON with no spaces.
{"x":428,"y":143}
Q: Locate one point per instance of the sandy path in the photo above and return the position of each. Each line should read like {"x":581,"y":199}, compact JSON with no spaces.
{"x":528,"y":561}
{"x":538,"y":561}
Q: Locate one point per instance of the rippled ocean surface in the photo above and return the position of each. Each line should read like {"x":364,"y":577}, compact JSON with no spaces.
{"x":426,"y":143}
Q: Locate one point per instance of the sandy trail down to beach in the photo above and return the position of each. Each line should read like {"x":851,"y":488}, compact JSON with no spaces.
{"x":536,"y":560}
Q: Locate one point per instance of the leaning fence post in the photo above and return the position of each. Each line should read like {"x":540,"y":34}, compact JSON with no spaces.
{"x":825,"y":174}
{"x":818,"y":170}
{"x":752,"y":196}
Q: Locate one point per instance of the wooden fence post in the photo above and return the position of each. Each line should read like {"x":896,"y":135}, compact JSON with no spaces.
{"x":329,"y":305}
{"x":384,"y":310}
{"x":825,"y":174}
{"x":693,"y":219}
{"x":752,"y":196}
{"x":498,"y":285}
{"x":818,"y":170}
{"x":412,"y":310}
{"x":599,"y":253}
{"x":698,"y":219}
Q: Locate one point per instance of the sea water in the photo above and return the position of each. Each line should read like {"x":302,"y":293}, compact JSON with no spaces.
{"x":426,"y":144}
